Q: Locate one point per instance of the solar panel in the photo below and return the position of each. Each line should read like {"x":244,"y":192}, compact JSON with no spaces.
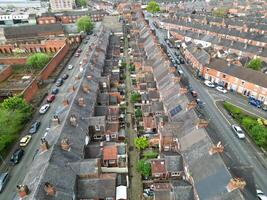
{"x":175,"y":110}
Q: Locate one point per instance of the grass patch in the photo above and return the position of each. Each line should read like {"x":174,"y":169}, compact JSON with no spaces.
{"x":256,"y":130}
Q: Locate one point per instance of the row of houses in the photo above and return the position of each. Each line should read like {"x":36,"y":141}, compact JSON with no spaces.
{"x":71,"y":163}
{"x":189,"y":165}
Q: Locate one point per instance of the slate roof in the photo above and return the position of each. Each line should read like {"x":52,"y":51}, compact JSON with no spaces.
{"x":174,"y":161}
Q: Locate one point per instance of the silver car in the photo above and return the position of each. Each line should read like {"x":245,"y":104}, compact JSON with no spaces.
{"x":238,"y":131}
{"x":3,"y":180}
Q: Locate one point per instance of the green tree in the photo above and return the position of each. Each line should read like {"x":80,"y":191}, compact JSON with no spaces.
{"x":85,"y":24}
{"x":138,"y":113}
{"x":37,"y":60}
{"x":16,"y":103}
{"x":141,"y":143}
{"x":82,"y":3}
{"x":135,"y":97}
{"x":255,"y":64}
{"x":150,"y":154}
{"x":152,"y":7}
{"x":143,"y":167}
{"x":220,"y":12}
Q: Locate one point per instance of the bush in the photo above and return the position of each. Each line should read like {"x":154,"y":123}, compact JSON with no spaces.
{"x":135,"y":97}
{"x":138,"y":113}
{"x":37,"y":60}
{"x":143,"y":167}
{"x":141,"y":143}
{"x":150,"y":154}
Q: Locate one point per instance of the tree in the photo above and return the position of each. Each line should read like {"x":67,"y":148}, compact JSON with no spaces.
{"x":82,"y":3}
{"x":143,"y":167}
{"x":150,"y":154}
{"x":16,"y":103}
{"x":152,"y":7}
{"x":141,"y":143}
{"x":37,"y":60}
{"x":220,"y":12}
{"x":255,"y":64}
{"x":138,"y":113}
{"x":135,"y":97}
{"x":85,"y":24}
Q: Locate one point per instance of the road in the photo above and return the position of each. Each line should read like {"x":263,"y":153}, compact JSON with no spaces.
{"x":237,"y":152}
{"x":18,"y":172}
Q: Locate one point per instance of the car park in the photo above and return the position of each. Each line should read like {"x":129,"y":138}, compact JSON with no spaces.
{"x":70,"y":67}
{"x":55,"y":91}
{"x":65,"y":76}
{"x":25,"y":140}
{"x":221,"y":89}
{"x":16,"y":156}
{"x":209,"y":84}
{"x":59,"y":82}
{"x":238,"y":131}
{"x":50,"y":98}
{"x":34,"y":127}
{"x":44,"y":108}
{"x":261,"y":195}
{"x":3,"y":180}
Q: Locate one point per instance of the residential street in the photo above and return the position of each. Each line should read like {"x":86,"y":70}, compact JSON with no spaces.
{"x":18,"y":172}
{"x":237,"y":152}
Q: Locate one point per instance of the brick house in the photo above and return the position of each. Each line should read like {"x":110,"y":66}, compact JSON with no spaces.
{"x":110,"y":156}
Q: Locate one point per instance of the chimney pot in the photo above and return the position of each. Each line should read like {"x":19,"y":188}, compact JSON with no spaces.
{"x":65,"y":102}
{"x":202,"y":123}
{"x":72,"y":89}
{"x":182,"y":91}
{"x":81,"y":102}
{"x":236,"y":183}
{"x":56,"y":120}
{"x":65,"y":145}
{"x":191,"y":105}
{"x":49,"y":189}
{"x":216,"y":148}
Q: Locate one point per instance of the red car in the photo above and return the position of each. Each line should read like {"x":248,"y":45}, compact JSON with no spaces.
{"x":50,"y":98}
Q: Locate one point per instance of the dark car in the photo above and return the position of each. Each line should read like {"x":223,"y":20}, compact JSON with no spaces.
{"x":79,"y":51}
{"x":16,"y":156}
{"x":194,"y":93}
{"x":59,"y":82}
{"x":55,"y":91}
{"x":50,"y":98}
{"x":3,"y":180}
{"x":65,"y":76}
{"x":34,"y":128}
{"x":182,"y":61}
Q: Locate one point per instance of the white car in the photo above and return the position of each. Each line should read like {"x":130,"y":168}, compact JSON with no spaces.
{"x":238,"y":131}
{"x":221,"y":89}
{"x":209,"y":84}
{"x":261,"y":195}
{"x":70,"y":67}
{"x":44,"y":108}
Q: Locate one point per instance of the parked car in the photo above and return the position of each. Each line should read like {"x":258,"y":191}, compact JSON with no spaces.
{"x":25,"y":140}
{"x":254,"y":102}
{"x":50,"y":98}
{"x":34,"y":128}
{"x":221,"y":89}
{"x":79,"y":50}
{"x":261,"y":195}
{"x":65,"y":76}
{"x":70,"y":67}
{"x":209,"y":84}
{"x":238,"y":131}
{"x":55,"y":91}
{"x":59,"y":82}
{"x":77,"y":55}
{"x":3,"y":180}
{"x":16,"y":156}
{"x":200,"y":103}
{"x":44,"y":108}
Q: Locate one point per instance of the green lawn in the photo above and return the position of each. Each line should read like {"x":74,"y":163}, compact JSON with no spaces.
{"x":249,"y":123}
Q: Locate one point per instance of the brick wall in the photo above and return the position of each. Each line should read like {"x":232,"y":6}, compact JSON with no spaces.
{"x":54,"y":62}
{"x":30,"y":91}
{"x":5,"y":73}
{"x":11,"y":61}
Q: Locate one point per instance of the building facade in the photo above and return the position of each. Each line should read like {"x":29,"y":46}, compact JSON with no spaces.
{"x":62,"y":4}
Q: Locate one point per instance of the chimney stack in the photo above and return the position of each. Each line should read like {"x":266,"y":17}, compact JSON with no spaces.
{"x":176,"y":79}
{"x":77,"y":77}
{"x":182,"y":91}
{"x":73,"y":120}
{"x":22,"y":190}
{"x":65,"y":102}
{"x":171,"y":69}
{"x":235,"y":183}
{"x":191,"y":105}
{"x":202,"y":123}
{"x":81,"y":102}
{"x":65,"y":144}
{"x":216,"y":149}
{"x":56,"y":120}
{"x":85,"y":88}
{"x":44,"y":145}
{"x":49,"y":189}
{"x":89,"y":77}
{"x":72,"y":89}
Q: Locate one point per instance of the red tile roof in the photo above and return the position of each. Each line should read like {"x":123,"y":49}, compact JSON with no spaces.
{"x":110,"y":153}
{"x":158,"y":166}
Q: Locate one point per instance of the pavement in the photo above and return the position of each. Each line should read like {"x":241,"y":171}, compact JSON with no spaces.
{"x":237,"y":152}
{"x":17,"y":173}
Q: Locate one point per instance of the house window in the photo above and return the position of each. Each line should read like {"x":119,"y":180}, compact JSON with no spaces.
{"x":175,"y":174}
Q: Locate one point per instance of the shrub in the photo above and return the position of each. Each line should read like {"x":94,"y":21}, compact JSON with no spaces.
{"x":150,"y":154}
{"x":143,"y":167}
